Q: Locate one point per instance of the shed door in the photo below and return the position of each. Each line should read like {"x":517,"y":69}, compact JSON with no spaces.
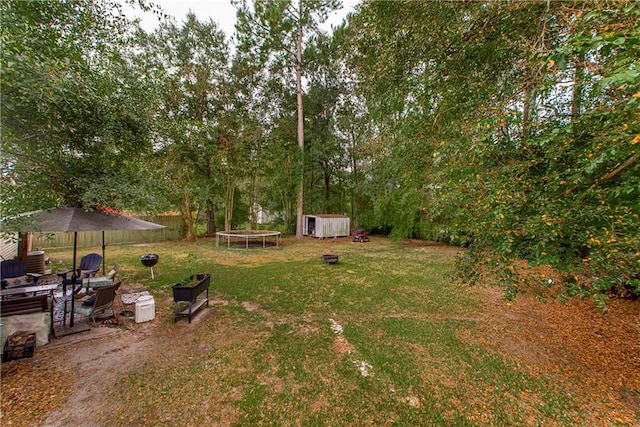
{"x":310,"y":225}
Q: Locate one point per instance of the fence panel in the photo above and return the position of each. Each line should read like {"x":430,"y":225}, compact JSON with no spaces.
{"x":173,"y":231}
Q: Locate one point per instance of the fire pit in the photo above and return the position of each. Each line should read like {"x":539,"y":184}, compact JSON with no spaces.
{"x":330,"y":258}
{"x":149,"y":260}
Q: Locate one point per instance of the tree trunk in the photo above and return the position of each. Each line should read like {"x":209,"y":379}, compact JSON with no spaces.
{"x":576,"y":101}
{"x":24,"y":246}
{"x":228,"y":211}
{"x":299,"y":224}
{"x":187,"y":216}
{"x":253,"y":202}
{"x":327,"y":188}
{"x":287,"y":210}
{"x":211,"y":218}
{"x":526,"y":113}
{"x":355,"y":204}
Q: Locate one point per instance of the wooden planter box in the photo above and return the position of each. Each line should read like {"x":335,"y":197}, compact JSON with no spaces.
{"x":190,"y":293}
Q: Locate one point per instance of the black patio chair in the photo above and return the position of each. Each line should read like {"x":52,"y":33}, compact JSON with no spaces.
{"x":89,"y":266}
{"x":13,"y":273}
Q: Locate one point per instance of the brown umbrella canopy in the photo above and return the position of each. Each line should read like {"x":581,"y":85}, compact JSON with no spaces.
{"x":73,"y":219}
{"x":76,"y":219}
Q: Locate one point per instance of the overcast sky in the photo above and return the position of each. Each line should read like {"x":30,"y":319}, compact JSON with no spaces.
{"x":220,"y":11}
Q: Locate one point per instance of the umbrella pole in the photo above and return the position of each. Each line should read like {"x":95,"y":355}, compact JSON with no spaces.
{"x":64,"y":304}
{"x":73,"y":277}
{"x":103,"y":247}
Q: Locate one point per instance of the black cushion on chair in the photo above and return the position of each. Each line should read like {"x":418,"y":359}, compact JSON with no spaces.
{"x":89,"y":301}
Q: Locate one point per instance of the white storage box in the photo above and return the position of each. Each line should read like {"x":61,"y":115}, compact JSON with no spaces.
{"x":145,"y":309}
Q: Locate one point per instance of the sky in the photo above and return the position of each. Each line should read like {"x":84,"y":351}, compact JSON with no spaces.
{"x":220,"y":11}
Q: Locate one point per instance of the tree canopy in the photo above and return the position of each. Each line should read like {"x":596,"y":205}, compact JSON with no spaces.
{"x":510,"y":128}
{"x":511,"y":124}
{"x":73,"y":118}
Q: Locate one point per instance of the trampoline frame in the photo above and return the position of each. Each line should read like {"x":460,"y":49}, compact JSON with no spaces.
{"x":248,"y":235}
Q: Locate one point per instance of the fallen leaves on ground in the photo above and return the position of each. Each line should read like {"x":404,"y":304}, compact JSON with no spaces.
{"x":31,"y":389}
{"x":596,"y":355}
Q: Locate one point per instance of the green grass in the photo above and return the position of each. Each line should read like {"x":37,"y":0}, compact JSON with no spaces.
{"x":280,"y":363}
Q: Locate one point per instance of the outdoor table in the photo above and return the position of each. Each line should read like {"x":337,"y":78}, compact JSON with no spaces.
{"x":96,"y":282}
{"x":29,"y":289}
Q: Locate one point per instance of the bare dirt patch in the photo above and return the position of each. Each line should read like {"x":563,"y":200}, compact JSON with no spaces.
{"x":250,"y":306}
{"x":64,"y":381}
{"x":342,"y":346}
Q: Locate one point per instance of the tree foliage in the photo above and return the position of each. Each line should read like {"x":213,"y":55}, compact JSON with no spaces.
{"x":190,"y":66}
{"x":73,"y":119}
{"x":275,"y":31}
{"x":512,"y":124}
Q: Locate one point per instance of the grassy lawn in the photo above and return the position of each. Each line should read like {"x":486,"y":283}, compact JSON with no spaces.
{"x":384,"y":337}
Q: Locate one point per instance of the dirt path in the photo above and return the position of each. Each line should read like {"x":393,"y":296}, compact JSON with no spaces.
{"x":61,"y":386}
{"x":104,"y":355}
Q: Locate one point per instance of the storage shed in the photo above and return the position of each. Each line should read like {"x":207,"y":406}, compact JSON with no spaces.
{"x":326,"y":225}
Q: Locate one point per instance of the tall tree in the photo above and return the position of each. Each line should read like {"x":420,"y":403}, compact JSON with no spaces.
{"x":325,"y":150}
{"x":276,"y":31}
{"x":191,"y":66}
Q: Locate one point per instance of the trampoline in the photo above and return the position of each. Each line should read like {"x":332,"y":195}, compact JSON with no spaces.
{"x":249,"y":238}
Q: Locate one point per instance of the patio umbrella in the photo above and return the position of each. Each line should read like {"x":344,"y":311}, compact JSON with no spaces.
{"x":76,"y":219}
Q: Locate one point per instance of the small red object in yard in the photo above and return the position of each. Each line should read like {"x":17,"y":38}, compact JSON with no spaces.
{"x":361,"y":236}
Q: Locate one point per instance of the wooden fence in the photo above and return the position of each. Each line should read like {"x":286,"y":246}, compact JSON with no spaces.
{"x":173,"y":231}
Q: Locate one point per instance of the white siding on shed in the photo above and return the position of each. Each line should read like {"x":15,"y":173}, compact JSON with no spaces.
{"x":322,"y":226}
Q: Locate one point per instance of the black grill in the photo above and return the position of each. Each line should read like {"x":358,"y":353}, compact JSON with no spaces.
{"x":149,"y":260}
